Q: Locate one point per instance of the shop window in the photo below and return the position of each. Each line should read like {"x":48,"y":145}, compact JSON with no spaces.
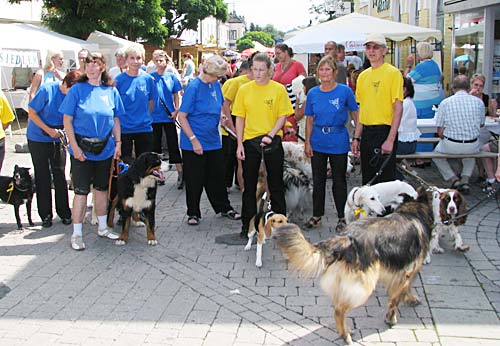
{"x":468,"y":45}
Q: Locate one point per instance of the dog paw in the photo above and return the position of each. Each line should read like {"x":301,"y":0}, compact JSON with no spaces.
{"x":247,"y":247}
{"x":152,"y":242}
{"x":120,"y":242}
{"x":348,"y":339}
{"x":463,"y":248}
{"x":413,"y":301}
{"x":427,"y":260}
{"x":138,"y":224}
{"x":437,"y":250}
{"x":258,"y":264}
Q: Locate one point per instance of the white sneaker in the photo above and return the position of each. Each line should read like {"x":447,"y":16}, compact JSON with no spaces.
{"x":107,"y":233}
{"x":77,"y":243}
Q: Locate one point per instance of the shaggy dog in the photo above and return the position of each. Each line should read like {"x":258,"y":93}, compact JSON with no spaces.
{"x":136,"y":190}
{"x":447,"y":206}
{"x":298,"y":190}
{"x":17,"y":190}
{"x":361,"y":202}
{"x":391,"y":249}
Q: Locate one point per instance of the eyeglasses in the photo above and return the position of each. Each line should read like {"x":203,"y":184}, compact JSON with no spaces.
{"x":373,"y":46}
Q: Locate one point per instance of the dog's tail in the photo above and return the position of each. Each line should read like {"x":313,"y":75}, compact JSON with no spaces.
{"x":306,"y":258}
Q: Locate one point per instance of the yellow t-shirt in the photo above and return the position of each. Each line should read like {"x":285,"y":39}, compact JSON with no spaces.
{"x":6,"y":114}
{"x":261,"y":106}
{"x":230,"y":89}
{"x":376,"y":91}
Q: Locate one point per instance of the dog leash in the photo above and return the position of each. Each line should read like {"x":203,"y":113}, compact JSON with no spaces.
{"x":382,"y":167}
{"x":267,"y":193}
{"x":413,"y":174}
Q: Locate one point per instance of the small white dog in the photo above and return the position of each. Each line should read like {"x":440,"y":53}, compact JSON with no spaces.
{"x":390,"y":192}
{"x":362,"y":201}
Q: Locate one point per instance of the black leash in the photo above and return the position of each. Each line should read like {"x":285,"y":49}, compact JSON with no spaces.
{"x":377,"y":157}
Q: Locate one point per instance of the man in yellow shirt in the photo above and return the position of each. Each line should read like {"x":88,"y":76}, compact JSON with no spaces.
{"x":6,"y":116}
{"x":379,"y":92}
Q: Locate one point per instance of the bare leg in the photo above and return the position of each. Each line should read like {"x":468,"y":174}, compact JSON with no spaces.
{"x":79,"y":208}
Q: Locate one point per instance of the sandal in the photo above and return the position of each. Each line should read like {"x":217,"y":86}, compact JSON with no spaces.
{"x":231,"y":214}
{"x":422,"y":164}
{"x":193,"y":220}
{"x":464,"y":188}
{"x":314,"y":221}
{"x":455,"y":183}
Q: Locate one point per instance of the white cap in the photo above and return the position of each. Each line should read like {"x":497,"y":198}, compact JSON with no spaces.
{"x":376,"y":38}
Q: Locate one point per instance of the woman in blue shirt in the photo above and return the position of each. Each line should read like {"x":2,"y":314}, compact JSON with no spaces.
{"x":138,"y":93}
{"x":47,"y":152}
{"x":327,"y":138}
{"x":201,"y":145}
{"x":91,"y":110}
{"x":165,"y":110}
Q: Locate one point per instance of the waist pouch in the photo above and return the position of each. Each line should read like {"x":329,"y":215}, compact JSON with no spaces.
{"x":58,"y":127}
{"x":93,"y":145}
{"x":270,"y":148}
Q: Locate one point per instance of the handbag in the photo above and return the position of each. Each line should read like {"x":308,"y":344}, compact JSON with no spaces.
{"x":270,"y":148}
{"x":93,"y":145}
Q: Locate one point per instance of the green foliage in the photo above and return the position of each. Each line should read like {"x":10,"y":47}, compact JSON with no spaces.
{"x":185,"y":14}
{"x":269,"y":28}
{"x":259,"y":36}
{"x":244,"y":43}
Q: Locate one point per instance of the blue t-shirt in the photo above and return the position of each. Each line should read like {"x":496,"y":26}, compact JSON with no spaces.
{"x":426,"y":77}
{"x":203,"y":103}
{"x":329,"y":109}
{"x":93,"y":109}
{"x":167,"y":84}
{"x":136,"y":92}
{"x":46,"y":103}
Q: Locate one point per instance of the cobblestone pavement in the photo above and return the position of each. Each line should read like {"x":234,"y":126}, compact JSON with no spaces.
{"x":189,"y":290}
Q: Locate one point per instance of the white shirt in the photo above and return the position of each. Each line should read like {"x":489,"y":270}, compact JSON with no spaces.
{"x":408,"y":130}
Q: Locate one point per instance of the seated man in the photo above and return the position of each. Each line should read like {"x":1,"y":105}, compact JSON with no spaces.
{"x":459,"y":119}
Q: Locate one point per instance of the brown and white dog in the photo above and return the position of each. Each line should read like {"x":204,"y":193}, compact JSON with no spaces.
{"x":390,"y":249}
{"x":263,"y":223}
{"x":447,"y":206}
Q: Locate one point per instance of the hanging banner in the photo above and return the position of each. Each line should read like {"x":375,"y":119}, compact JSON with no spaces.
{"x":19,"y":58}
{"x":351,"y":46}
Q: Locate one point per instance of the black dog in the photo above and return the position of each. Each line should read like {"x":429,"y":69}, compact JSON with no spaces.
{"x":17,"y":190}
{"x":136,"y":193}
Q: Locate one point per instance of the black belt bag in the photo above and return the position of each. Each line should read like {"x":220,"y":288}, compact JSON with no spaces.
{"x":92,"y":145}
{"x":270,"y":148}
{"x":57,"y":127}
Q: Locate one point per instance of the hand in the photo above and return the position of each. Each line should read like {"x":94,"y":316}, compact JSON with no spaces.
{"x":475,"y":92}
{"x":174,"y":114}
{"x":308,"y":149}
{"x":240,"y":152}
{"x":387,"y":147}
{"x":355,"y":148}
{"x":197,"y":148}
{"x":265,"y":141}
{"x":78,"y":154}
{"x":53,"y":133}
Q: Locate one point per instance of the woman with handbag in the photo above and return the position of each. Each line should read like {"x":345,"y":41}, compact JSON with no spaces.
{"x":47,"y":152}
{"x":91,"y":110}
{"x":203,"y":158}
{"x":165,"y":111}
{"x":261,"y":107}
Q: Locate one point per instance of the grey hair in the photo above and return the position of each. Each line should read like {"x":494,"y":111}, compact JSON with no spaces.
{"x":424,"y":50}
{"x":215,"y":65}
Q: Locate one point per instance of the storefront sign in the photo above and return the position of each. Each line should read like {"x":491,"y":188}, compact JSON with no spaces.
{"x":19,"y":58}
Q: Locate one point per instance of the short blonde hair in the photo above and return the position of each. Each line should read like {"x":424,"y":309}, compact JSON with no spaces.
{"x":327,"y":60}
{"x":424,"y":50}
{"x":478,"y":76}
{"x":51,"y":54}
{"x":215,"y":65}
{"x":135,"y":49}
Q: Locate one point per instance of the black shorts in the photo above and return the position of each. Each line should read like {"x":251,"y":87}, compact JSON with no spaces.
{"x":90,"y":172}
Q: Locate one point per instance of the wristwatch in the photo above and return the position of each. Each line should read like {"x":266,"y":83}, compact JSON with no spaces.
{"x":192,"y":137}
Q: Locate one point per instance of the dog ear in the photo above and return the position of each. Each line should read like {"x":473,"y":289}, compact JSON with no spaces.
{"x":462,"y":209}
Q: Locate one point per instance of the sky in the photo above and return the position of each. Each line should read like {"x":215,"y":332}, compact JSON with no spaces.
{"x":283,"y":14}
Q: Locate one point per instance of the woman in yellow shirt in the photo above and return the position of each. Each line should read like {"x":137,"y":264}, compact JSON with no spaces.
{"x":261,"y":107}
{"x":6,"y":116}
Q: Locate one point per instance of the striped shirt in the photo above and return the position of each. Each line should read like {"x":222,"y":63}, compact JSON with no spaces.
{"x":461,"y":115}
{"x":426,"y":77}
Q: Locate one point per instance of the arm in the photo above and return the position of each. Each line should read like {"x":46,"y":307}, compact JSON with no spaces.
{"x":182,"y":117}
{"x":33,"y":116}
{"x":176,"y":105}
{"x":299,"y":110}
{"x":307,"y":145}
{"x":358,"y":131}
{"x":70,"y":133}
{"x":35,"y":83}
{"x":388,"y":145}
{"x":440,"y":132}
{"x":492,"y":107}
{"x":117,"y":136}
{"x":227,"y":119}
{"x":240,"y":127}
{"x":410,"y":60}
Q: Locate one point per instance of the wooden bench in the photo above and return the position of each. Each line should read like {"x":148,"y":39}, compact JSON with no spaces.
{"x":433,"y":155}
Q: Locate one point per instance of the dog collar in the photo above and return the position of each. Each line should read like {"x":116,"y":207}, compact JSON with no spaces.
{"x":267,"y":216}
{"x":359,"y":211}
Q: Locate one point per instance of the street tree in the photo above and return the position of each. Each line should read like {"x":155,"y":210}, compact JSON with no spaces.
{"x":182,"y":15}
{"x":259,"y":36}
